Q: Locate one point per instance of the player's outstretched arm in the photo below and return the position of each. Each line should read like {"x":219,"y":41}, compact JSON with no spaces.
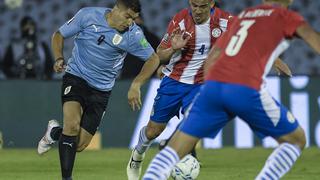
{"x":308,"y":34}
{"x":149,"y":67}
{"x":57,"y":42}
{"x":282,"y":67}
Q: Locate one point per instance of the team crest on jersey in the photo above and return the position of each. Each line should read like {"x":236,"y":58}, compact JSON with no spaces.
{"x":116,"y":39}
{"x":216,"y":32}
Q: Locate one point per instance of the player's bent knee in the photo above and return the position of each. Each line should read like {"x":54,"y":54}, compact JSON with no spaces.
{"x":301,"y":140}
{"x":297,"y":138}
{"x":71,"y":129}
{"x":153,"y":132}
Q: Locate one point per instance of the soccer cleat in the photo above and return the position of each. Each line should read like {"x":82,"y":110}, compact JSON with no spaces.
{"x":135,"y":165}
{"x":46,"y":141}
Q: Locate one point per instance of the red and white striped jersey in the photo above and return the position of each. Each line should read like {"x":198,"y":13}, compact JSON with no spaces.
{"x":186,"y":66}
{"x":252,"y":43}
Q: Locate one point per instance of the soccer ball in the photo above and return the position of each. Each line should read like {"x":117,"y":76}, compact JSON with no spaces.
{"x":187,"y":169}
{"x":12,"y":4}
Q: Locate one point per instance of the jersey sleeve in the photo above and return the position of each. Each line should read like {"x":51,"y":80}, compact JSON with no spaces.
{"x":139,"y":46}
{"x":292,"y":21}
{"x":74,"y":25}
{"x":166,"y":42}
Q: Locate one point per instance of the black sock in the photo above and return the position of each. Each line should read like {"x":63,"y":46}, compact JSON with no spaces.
{"x":56,"y":133}
{"x":67,"y":178}
{"x":67,"y":153}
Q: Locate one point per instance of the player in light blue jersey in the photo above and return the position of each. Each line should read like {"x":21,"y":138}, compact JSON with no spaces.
{"x":102,"y":39}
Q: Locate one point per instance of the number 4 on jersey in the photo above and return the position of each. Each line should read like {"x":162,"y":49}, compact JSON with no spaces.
{"x":202,"y":48}
{"x":237,"y":40}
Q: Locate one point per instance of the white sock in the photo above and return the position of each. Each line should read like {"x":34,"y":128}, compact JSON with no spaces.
{"x":162,"y":164}
{"x":143,"y":143}
{"x":279,"y":162}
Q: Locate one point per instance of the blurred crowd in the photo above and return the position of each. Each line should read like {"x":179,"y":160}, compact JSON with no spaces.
{"x":25,"y":49}
{"x":26,"y":57}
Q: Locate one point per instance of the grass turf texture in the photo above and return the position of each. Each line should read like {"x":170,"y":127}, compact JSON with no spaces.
{"x":110,"y":164}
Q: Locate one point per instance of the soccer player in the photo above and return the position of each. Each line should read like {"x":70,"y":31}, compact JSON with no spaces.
{"x":103,"y":37}
{"x":235,"y":71}
{"x":190,"y":35}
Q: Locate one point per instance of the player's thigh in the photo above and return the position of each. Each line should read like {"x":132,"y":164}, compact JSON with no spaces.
{"x":72,"y":92}
{"x":95,"y":107}
{"x":267,"y":117}
{"x":73,"y":89}
{"x":71,"y":118}
{"x":167,"y":102}
{"x":206,"y":116}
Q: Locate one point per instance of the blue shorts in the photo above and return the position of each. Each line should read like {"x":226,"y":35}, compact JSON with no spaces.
{"x":218,"y":103}
{"x":171,"y":96}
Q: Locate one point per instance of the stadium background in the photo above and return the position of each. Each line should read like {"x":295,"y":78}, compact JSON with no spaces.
{"x":27,"y":105}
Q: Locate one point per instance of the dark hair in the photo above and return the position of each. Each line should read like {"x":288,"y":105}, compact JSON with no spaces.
{"x":130,"y":4}
{"x":26,"y":20}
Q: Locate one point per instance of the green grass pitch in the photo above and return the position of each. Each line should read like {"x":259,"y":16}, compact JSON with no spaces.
{"x":110,"y":164}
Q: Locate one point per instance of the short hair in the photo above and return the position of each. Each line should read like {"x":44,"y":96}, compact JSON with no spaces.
{"x":131,"y":4}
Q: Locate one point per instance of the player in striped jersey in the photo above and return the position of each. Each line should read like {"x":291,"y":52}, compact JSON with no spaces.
{"x":190,"y":35}
{"x":234,"y":86}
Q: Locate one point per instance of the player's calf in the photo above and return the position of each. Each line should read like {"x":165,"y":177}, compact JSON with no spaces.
{"x":153,"y":130}
{"x":84,"y":140}
{"x":82,"y":147}
{"x":146,"y":136}
{"x":284,"y":156}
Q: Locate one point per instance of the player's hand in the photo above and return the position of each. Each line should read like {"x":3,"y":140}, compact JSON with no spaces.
{"x":179,"y":39}
{"x":282,"y":67}
{"x":59,"y":66}
{"x":134,"y":96}
{"x":159,"y":73}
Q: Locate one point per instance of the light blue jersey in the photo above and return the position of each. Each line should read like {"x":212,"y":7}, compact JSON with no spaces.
{"x":99,"y":50}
